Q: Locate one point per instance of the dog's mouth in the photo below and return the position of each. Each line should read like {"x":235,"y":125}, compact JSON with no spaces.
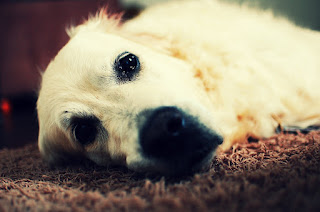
{"x":175,"y":142}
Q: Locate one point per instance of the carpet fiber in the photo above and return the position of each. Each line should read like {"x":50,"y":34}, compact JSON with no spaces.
{"x":277,"y":174}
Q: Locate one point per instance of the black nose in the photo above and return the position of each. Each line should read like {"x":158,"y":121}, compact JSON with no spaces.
{"x":176,"y":138}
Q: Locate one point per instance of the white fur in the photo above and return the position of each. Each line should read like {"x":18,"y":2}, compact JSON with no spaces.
{"x":242,"y":72}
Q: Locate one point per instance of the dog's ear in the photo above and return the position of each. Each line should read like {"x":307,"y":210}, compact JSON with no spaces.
{"x":105,"y":20}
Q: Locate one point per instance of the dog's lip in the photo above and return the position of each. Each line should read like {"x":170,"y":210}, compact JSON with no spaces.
{"x":197,"y":166}
{"x":160,"y":167}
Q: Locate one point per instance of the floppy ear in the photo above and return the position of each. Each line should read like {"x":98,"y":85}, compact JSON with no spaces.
{"x":57,"y":150}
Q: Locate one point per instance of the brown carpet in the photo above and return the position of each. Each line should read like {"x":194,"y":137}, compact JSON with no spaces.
{"x":278,"y":174}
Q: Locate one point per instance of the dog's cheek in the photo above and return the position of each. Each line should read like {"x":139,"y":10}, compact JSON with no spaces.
{"x":56,"y":149}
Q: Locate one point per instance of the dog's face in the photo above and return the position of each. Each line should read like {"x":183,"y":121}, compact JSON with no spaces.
{"x":113,"y":100}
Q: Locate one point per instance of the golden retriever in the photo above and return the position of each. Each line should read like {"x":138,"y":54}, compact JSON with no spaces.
{"x":159,"y":93}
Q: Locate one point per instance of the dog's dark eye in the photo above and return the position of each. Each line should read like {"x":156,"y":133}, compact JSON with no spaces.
{"x":84,"y":130}
{"x":127,"y":66}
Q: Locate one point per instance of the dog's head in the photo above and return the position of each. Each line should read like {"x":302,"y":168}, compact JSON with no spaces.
{"x":115,"y":100}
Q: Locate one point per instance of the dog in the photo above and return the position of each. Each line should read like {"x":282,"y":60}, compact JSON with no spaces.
{"x":164,"y":91}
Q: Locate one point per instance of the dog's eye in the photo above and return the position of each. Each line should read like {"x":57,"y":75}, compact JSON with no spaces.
{"x":127,"y":65}
{"x":84,"y":130}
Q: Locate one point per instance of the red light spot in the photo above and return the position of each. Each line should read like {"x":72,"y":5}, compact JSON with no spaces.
{"x":5,"y":106}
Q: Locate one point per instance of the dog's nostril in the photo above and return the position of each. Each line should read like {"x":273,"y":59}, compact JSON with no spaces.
{"x":175,"y":124}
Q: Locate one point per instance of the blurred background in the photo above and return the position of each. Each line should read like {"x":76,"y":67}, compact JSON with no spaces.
{"x":33,"y":31}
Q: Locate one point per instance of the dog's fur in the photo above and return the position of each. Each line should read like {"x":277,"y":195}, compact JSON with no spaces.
{"x":241,"y":72}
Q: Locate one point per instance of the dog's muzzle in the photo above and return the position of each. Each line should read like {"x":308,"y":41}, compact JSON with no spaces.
{"x":177,"y":140}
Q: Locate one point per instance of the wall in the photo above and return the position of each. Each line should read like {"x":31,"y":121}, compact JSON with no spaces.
{"x":31,"y":34}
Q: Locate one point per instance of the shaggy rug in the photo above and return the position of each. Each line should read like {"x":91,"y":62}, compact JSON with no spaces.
{"x":277,"y":174}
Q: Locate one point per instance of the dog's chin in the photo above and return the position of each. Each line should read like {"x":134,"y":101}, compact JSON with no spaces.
{"x":173,"y":168}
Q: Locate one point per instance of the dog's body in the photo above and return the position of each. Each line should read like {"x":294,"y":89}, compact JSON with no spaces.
{"x":217,"y":69}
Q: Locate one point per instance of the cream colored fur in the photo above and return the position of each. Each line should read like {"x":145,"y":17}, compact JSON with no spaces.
{"x":242,"y":72}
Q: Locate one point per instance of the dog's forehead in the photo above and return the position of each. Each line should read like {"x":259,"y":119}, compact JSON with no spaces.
{"x":67,"y":74}
{"x":90,"y":49}
{"x":82,"y":72}
{"x":88,"y":56}
{"x":94,"y":53}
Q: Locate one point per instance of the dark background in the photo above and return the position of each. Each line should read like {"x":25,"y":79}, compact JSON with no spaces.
{"x":32,"y":32}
